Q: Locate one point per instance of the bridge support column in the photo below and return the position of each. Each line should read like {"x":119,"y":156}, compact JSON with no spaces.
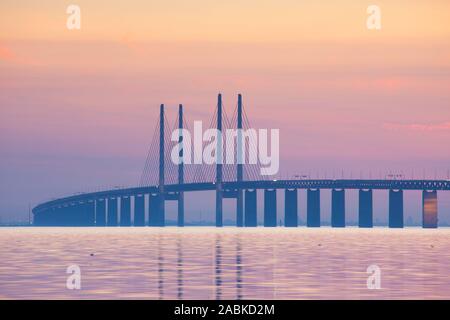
{"x":239,"y":167}
{"x":139,"y":210}
{"x":100,"y":212}
{"x":80,"y":214}
{"x":125,"y":211}
{"x":313,"y":208}
{"x":72,"y":215}
{"x":160,"y":219}
{"x":154,"y":212}
{"x":250,"y":208}
{"x":365,"y":212}
{"x":181,"y":209}
{"x":55,"y":217}
{"x":219,"y":158}
{"x":430,"y":209}
{"x":180,"y":168}
{"x":290,"y":208}
{"x":90,"y":213}
{"x":240,"y":208}
{"x":162,"y":211}
{"x":338,"y":208}
{"x":270,"y":208}
{"x":38,"y":218}
{"x":219,"y":207}
{"x":112,"y":212}
{"x":84,"y":213}
{"x":395,"y":208}
{"x":41,"y":218}
{"x":63,"y":218}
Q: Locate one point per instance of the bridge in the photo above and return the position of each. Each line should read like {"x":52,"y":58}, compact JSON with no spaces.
{"x":237,"y":181}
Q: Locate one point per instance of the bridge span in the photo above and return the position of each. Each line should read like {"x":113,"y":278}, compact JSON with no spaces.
{"x":114,"y":207}
{"x":102,"y":208}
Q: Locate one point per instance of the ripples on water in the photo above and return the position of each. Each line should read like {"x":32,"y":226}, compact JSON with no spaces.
{"x":228,"y":263}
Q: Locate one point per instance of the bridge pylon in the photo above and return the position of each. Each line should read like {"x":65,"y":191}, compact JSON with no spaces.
{"x":160,"y":219}
{"x":219,"y":150}
{"x":180,"y":169}
{"x":240,"y":168}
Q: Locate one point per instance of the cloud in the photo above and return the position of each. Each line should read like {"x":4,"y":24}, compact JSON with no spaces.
{"x":443,"y":126}
{"x":6,"y":53}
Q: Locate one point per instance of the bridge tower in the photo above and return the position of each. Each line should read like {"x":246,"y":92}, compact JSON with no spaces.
{"x":240,"y":168}
{"x":219,"y":150}
{"x":180,"y":169}
{"x":161,"y":206}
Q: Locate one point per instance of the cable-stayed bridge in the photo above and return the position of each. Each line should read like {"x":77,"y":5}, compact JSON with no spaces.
{"x":162,"y":180}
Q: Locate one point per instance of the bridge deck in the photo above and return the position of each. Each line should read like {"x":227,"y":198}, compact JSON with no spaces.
{"x":261,"y":184}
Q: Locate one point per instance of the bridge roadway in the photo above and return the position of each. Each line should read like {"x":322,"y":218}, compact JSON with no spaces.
{"x":230,"y":190}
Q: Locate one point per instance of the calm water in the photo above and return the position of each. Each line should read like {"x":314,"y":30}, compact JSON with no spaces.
{"x":228,"y":263}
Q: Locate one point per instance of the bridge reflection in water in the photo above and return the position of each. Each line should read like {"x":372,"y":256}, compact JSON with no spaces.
{"x":102,"y":208}
{"x":226,"y":263}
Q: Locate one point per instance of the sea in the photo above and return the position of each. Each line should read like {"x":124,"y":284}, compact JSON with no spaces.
{"x":224,"y":263}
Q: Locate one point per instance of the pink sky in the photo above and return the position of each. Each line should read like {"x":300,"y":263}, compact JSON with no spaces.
{"x":77,"y":108}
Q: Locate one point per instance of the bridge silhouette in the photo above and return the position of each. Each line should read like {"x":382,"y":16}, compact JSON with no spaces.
{"x":236,"y":181}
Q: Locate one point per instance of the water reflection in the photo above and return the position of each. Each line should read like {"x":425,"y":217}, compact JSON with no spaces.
{"x":179,"y":269}
{"x":161,"y":249}
{"x":238,"y":268}
{"x":218,"y":268}
{"x":228,"y":263}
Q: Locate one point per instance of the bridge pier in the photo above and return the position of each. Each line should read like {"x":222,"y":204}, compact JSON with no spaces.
{"x":125,"y":211}
{"x":112,"y":212}
{"x":139,"y":210}
{"x":239,"y":167}
{"x":395,"y":208}
{"x":429,"y":209}
{"x":180,"y":209}
{"x":90,"y":213}
{"x":72,"y":214}
{"x":55,"y":217}
{"x":250,"y":208}
{"x":100,"y":212}
{"x":219,"y":187}
{"x":81,"y":214}
{"x":65,"y":219}
{"x":219,"y":205}
{"x":290,"y":208}
{"x":38,"y":218}
{"x":154,"y":212}
{"x":270,"y":208}
{"x":365,"y":212}
{"x":240,"y":208}
{"x":44,"y":217}
{"x":338,"y":208}
{"x":161,"y":208}
{"x":84,"y":213}
{"x":313,"y":208}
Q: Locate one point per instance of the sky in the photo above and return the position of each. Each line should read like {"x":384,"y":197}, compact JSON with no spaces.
{"x":78,"y":107}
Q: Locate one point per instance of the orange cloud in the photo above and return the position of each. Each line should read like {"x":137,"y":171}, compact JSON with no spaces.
{"x":6,"y":53}
{"x":418,"y":126}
